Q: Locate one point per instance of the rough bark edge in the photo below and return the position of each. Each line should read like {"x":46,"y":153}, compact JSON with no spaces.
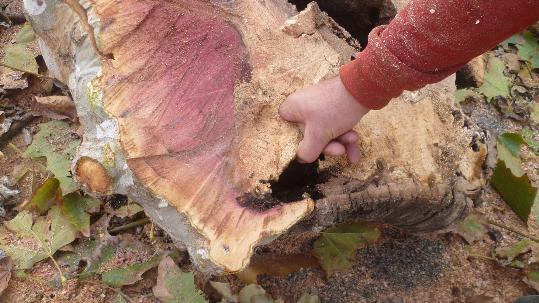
{"x":378,"y":203}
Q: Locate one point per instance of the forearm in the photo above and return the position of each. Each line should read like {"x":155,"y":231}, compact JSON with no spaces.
{"x":429,"y":40}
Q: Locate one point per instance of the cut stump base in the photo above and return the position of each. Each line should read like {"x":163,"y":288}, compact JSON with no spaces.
{"x":179,"y":104}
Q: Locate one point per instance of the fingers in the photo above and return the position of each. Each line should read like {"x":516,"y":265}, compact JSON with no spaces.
{"x":334,"y":148}
{"x":352,"y":151}
{"x":346,"y":143}
{"x":350,"y":136}
{"x":310,"y":147}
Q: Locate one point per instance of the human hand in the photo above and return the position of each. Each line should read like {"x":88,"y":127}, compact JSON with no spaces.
{"x":325,"y":113}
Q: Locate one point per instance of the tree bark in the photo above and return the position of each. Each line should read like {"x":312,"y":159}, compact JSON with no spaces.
{"x":179,"y":103}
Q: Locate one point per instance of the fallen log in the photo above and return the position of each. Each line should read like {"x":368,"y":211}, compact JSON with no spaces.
{"x":179,"y":103}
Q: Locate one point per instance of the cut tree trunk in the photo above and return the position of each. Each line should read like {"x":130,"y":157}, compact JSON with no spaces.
{"x":179,"y":103}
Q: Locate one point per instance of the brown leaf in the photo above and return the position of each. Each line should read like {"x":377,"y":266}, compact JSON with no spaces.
{"x":5,"y":272}
{"x":57,"y":107}
{"x":275,"y":265}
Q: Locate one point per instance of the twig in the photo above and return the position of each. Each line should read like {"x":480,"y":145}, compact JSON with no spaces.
{"x":502,"y":226}
{"x":483,"y":257}
{"x":127,"y":226}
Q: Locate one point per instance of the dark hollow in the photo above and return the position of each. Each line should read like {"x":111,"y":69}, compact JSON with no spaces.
{"x":358,"y":17}
{"x":296,"y":180}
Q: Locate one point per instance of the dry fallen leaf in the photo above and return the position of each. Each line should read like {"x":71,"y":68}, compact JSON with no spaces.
{"x":5,"y":271}
{"x":275,"y":265}
{"x":57,"y":107}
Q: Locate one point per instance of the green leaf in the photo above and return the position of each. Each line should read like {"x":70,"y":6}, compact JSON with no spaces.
{"x":472,"y":228}
{"x":514,"y":40}
{"x":89,"y":252}
{"x":336,"y":247}
{"x":529,"y":49}
{"x":76,"y":207}
{"x":512,"y":142}
{"x":517,"y":192}
{"x":21,"y":224}
{"x":38,"y":241}
{"x":17,"y":56}
{"x":130,"y":274}
{"x":462,"y":94}
{"x":532,"y":277}
{"x":495,"y":83}
{"x":55,"y":142}
{"x":529,"y":136}
{"x":508,"y":146}
{"x":513,"y":251}
{"x":174,"y":285}
{"x":25,"y":35}
{"x":509,"y":178}
{"x":45,"y":196}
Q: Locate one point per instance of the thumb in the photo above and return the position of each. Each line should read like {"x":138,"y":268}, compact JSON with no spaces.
{"x":311,"y":146}
{"x":288,"y":111}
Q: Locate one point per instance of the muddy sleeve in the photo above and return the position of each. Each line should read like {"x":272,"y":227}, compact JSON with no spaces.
{"x":429,"y":40}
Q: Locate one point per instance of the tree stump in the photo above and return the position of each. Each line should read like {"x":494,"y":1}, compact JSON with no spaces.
{"x":179,"y":102}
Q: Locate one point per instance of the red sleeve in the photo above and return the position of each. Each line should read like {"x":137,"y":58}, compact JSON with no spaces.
{"x":429,"y":40}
